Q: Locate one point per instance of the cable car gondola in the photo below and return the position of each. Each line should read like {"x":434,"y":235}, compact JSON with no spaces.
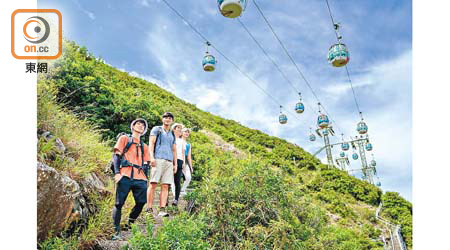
{"x":299,"y":107}
{"x":231,"y":8}
{"x":282,"y":118}
{"x":344,"y":146}
{"x":342,"y":154}
{"x":361,"y":127}
{"x":373,"y":163}
{"x":369,"y":147}
{"x":312,"y":137}
{"x":355,"y":156}
{"x":323,"y":121}
{"x":209,"y":61}
{"x":338,"y":54}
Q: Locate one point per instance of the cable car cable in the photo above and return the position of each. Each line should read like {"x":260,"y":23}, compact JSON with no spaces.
{"x":223,"y":55}
{"x":292,"y":60}
{"x":346,"y":68}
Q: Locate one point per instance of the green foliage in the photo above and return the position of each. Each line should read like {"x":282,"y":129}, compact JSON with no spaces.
{"x":57,"y":243}
{"x":400,"y":211}
{"x":81,"y":139}
{"x":257,"y":198}
{"x":182,"y":232}
{"x":343,"y":183}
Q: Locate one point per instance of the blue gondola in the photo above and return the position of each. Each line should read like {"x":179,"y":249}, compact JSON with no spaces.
{"x":378,"y":184}
{"x":323,"y":121}
{"x":361,"y":127}
{"x":342,"y":154}
{"x":345,"y":146}
{"x":282,"y":118}
{"x":312,"y":137}
{"x":299,"y":107}
{"x":373,"y":163}
{"x":355,"y":156}
{"x":231,"y":8}
{"x":209,"y":62}
{"x":338,"y":55}
{"x":369,"y":147}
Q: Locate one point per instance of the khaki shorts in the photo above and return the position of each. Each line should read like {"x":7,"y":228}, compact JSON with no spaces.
{"x":162,"y":172}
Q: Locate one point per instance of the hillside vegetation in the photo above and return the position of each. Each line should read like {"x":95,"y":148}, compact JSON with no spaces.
{"x":259,"y":199}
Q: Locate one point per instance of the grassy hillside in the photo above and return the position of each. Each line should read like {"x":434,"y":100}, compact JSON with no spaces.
{"x":259,"y":199}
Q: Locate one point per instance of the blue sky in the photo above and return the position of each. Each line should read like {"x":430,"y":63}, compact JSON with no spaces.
{"x":145,"y":38}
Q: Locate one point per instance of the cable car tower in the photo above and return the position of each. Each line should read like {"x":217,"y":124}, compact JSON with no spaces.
{"x":343,"y":161}
{"x":323,"y":131}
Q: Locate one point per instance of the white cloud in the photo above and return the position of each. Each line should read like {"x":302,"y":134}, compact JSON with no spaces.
{"x":383,"y":91}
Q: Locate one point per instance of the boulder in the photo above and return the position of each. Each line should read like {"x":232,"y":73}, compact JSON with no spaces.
{"x":58,"y":143}
{"x":60,"y":202}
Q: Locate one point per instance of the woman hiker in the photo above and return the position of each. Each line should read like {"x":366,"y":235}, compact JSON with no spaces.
{"x":181,"y":148}
{"x":187,"y":167}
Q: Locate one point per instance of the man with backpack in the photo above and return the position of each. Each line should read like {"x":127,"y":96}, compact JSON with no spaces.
{"x":163,"y":162}
{"x":130,"y":165}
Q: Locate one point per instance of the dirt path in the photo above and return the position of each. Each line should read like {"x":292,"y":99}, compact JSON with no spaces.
{"x":157,"y":221}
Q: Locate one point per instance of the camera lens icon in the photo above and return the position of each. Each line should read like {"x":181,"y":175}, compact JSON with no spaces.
{"x":39,"y":35}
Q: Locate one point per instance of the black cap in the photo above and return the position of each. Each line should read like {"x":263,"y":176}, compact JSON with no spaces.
{"x":168,"y":114}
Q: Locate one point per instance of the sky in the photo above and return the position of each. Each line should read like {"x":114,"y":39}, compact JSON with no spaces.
{"x":148,"y":40}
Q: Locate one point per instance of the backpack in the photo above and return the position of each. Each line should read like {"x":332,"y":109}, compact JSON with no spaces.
{"x":157,"y":136}
{"x":124,"y":162}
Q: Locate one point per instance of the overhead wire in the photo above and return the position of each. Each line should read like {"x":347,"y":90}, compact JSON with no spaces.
{"x":346,"y":68}
{"x":271,"y":59}
{"x":295,"y":64}
{"x":224,"y":56}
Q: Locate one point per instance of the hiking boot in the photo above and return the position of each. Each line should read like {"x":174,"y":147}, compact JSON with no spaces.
{"x":163,"y":213}
{"x":117,"y":236}
{"x":175,"y":203}
{"x":149,"y":210}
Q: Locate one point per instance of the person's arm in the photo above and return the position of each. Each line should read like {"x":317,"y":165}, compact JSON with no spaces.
{"x":151,"y":144}
{"x":190,"y":159}
{"x":174,"y":153}
{"x":118,"y":149}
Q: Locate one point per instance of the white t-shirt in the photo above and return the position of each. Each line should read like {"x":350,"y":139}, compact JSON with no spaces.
{"x":181,"y":148}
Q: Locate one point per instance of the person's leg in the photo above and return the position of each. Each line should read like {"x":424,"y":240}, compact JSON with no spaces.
{"x":177,"y":179}
{"x":122,"y":190}
{"x":172,"y":187}
{"x":164,"y":195}
{"x":155,"y":177}
{"x":139,"y":188}
{"x":151,"y":195}
{"x":166,"y":181}
{"x":187,"y":176}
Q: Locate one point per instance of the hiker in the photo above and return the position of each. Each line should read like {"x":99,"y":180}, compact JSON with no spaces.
{"x":130,"y":161}
{"x":163,"y":160}
{"x":181,"y":148}
{"x":187,"y":167}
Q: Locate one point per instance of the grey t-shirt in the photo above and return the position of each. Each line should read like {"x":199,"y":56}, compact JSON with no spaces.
{"x":163,"y":144}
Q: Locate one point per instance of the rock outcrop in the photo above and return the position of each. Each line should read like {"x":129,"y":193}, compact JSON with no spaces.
{"x":62,"y":202}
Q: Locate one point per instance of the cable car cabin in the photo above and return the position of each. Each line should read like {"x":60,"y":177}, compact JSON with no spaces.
{"x":355,"y":156}
{"x":322,"y":121}
{"x":345,"y":146}
{"x":209,"y":62}
{"x":231,"y":8}
{"x":338,"y":55}
{"x":283,"y":119}
{"x":373,"y":163}
{"x":299,"y":107}
{"x":342,"y":154}
{"x":312,"y":137}
{"x":369,"y":147}
{"x":361,"y":127}
{"x":378,"y":184}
